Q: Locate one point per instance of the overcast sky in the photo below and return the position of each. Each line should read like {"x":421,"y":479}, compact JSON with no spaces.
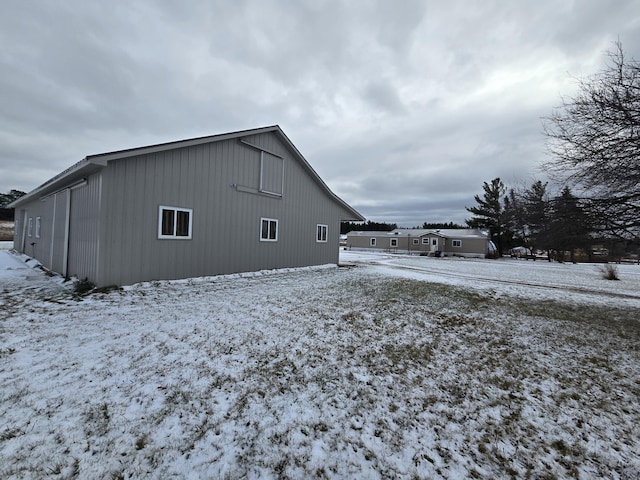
{"x":403,"y":108}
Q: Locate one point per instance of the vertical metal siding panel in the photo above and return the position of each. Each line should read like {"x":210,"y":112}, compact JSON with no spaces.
{"x":145,"y":200}
{"x":109,"y":198}
{"x":19,"y":225}
{"x":194,"y":189}
{"x":198,"y":200}
{"x":142,"y":211}
{"x":117,"y":219}
{"x":218,"y":241}
{"x":83,"y":233}
{"x":223,"y":214}
{"x":59,"y":234}
{"x":204,"y":219}
{"x":46,"y":230}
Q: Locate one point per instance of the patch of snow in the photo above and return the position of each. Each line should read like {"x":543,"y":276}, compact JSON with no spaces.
{"x":396,"y":367}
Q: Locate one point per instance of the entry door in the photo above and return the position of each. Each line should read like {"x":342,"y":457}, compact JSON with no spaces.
{"x":434,"y":244}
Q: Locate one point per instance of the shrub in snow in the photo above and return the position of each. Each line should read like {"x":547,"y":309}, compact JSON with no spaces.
{"x":609,"y":272}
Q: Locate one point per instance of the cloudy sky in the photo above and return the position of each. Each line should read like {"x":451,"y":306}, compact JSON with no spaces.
{"x":404,"y":108}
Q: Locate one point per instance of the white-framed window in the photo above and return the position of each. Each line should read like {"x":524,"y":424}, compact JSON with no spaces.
{"x":456,"y":243}
{"x":373,"y":242}
{"x":30,"y":227}
{"x":174,"y":222}
{"x":268,"y":230}
{"x":425,"y":241}
{"x":321,"y":233}
{"x":416,"y":241}
{"x":37,"y":227}
{"x":393,"y":242}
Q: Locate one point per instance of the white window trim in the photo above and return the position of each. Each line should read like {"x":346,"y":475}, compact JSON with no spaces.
{"x":30,"y":227}
{"x":265,"y":219}
{"x":393,"y":242}
{"x":372,"y":243}
{"x":38,"y":224}
{"x":320,"y":230}
{"x":456,"y":243}
{"x":416,"y":241}
{"x":425,"y":241}
{"x":175,"y":223}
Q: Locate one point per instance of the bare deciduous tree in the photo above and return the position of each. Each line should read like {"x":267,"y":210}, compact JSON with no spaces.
{"x":594,"y":140}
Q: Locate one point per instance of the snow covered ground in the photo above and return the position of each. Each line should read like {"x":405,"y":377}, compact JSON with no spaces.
{"x":394,"y":367}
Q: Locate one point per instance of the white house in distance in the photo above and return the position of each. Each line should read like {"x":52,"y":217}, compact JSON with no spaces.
{"x":464,"y":242}
{"x":236,"y":202}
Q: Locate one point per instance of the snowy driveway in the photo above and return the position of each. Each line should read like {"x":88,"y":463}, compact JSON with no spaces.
{"x":528,"y":279}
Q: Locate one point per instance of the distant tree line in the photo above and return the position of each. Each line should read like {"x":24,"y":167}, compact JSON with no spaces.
{"x":441,"y":226}
{"x":6,"y":199}
{"x":368,"y":226}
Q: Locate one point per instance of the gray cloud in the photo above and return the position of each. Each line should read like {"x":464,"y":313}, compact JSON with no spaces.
{"x":403,"y":109}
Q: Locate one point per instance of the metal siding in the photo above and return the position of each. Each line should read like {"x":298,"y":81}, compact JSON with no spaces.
{"x":58,"y":221}
{"x":83,"y":230}
{"x":46,"y":227}
{"x":225,"y":220}
{"x":35,"y":247}
{"x":48,"y":249}
{"x":19,"y":224}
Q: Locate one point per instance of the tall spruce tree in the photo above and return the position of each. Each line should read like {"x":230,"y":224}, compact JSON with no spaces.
{"x":537,"y":215}
{"x":569,"y":226}
{"x":490,"y":213}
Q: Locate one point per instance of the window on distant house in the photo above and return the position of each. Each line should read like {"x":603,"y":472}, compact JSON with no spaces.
{"x":175,"y":222}
{"x":456,"y":243}
{"x":394,"y":242}
{"x":425,"y":241}
{"x":37,"y":227}
{"x":373,"y":242}
{"x":321,"y":233}
{"x":30,"y":227}
{"x":416,"y":241}
{"x":268,"y":230}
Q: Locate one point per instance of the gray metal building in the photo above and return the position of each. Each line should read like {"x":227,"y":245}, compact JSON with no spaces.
{"x":236,"y":202}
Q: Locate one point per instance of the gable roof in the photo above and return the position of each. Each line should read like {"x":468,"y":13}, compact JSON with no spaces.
{"x":443,"y":232}
{"x":94,"y":163}
{"x":421,"y":232}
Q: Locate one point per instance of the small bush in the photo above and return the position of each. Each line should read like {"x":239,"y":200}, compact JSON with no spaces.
{"x":82,"y":287}
{"x":609,"y":272}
